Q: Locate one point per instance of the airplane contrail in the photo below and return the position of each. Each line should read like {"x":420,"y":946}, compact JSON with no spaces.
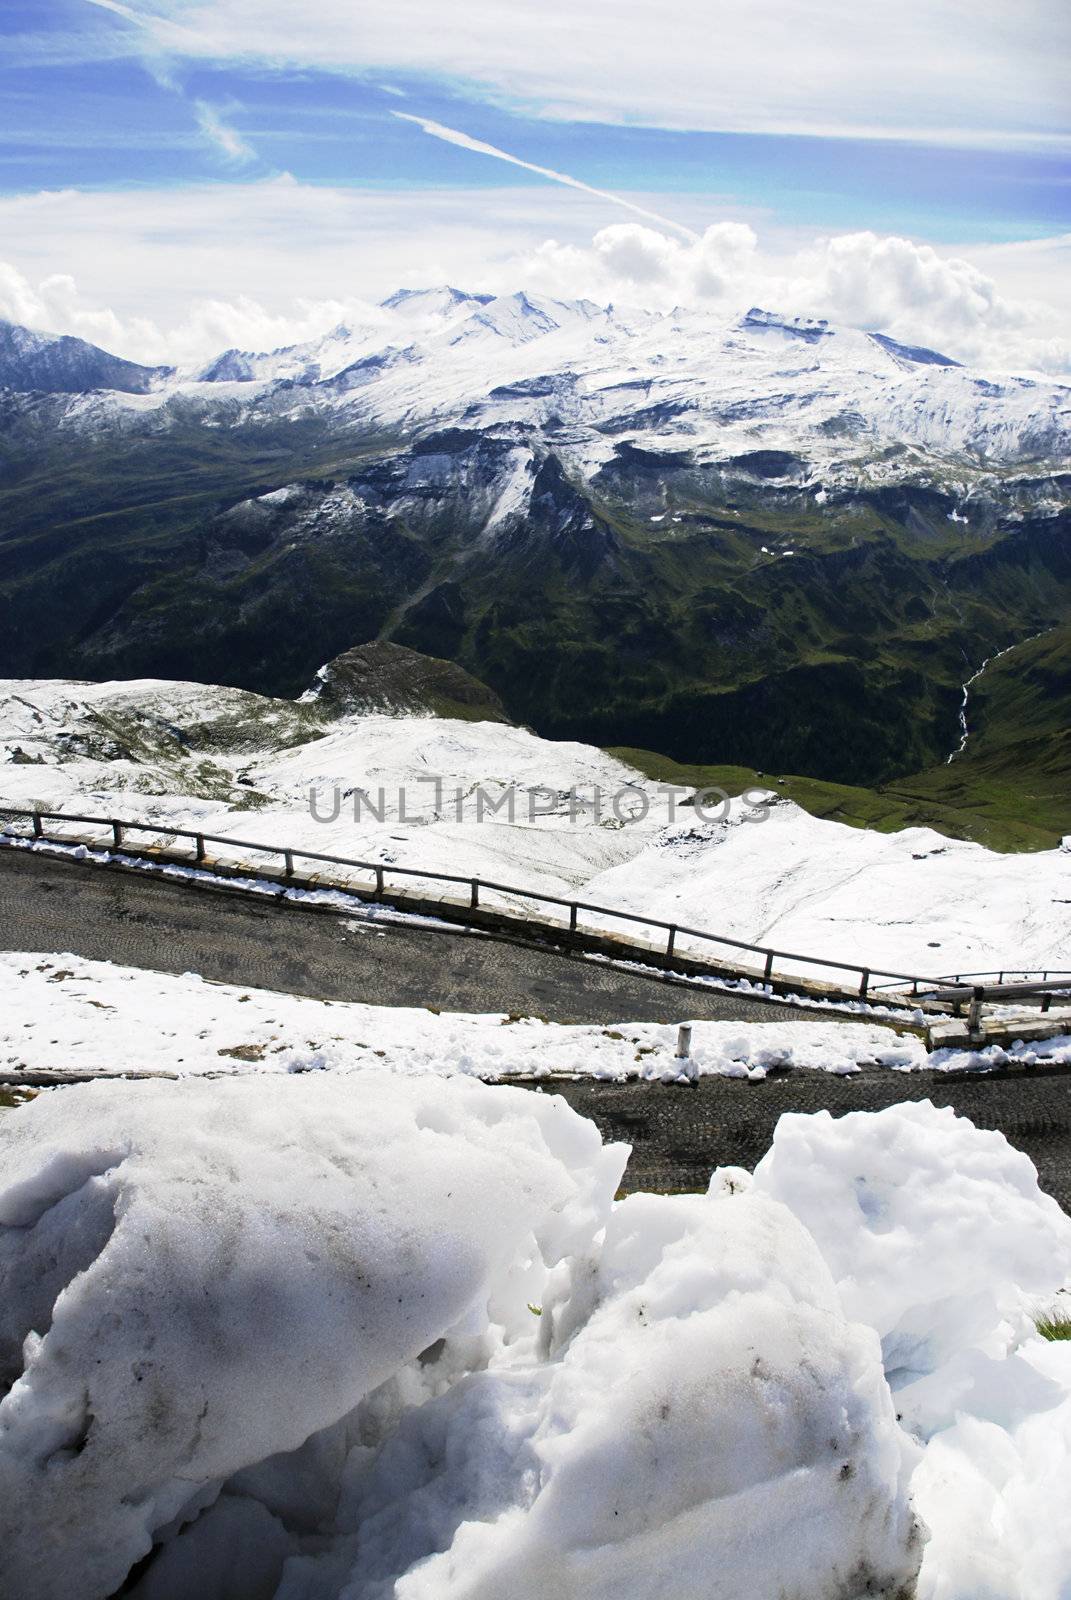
{"x":452,"y":136}
{"x":120,"y":11}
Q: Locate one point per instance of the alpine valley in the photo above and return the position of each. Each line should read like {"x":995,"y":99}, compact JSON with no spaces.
{"x":706,"y":542}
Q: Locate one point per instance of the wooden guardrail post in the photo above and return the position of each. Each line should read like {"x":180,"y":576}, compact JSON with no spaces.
{"x":288,"y":863}
{"x":865,"y":985}
{"x":474,"y":897}
{"x":572,"y":921}
{"x":379,"y":883}
{"x":768,"y":968}
{"x":117,"y":834}
{"x":669,"y":943}
{"x":37,"y":828}
{"x":199,"y":847}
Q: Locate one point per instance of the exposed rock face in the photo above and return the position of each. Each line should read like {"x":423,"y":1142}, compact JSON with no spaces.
{"x":387,"y":677}
{"x":47,"y":364}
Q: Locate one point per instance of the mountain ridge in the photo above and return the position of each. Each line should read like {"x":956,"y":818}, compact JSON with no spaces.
{"x":701,"y":381}
{"x":728,"y":539}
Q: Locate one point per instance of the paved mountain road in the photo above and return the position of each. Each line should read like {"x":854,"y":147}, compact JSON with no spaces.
{"x":681,"y":1132}
{"x":142,"y":921}
{"x":678,"y":1134}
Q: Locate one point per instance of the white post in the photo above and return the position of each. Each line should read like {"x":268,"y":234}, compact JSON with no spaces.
{"x":684,"y":1041}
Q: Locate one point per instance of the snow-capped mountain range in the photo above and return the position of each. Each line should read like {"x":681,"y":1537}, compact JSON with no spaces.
{"x":725,"y":538}
{"x":591,"y":379}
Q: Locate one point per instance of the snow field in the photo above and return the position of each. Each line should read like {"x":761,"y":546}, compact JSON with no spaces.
{"x":63,"y":1013}
{"x":719,"y":383}
{"x":911,"y":901}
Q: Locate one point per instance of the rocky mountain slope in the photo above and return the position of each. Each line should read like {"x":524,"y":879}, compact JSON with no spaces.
{"x":728,"y":539}
{"x":58,"y":364}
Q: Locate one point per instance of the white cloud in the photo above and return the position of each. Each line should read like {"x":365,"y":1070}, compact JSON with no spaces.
{"x":176,"y":275}
{"x":862,"y":280}
{"x":155,"y":255}
{"x":229,"y":142}
{"x":120,"y":10}
{"x":985,"y":72}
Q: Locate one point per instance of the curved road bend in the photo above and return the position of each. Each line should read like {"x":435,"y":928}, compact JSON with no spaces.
{"x":678,"y":1134}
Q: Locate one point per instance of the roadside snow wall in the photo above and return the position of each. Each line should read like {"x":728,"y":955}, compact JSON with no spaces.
{"x":390,"y":1339}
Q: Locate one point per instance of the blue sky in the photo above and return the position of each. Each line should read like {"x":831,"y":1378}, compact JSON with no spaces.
{"x":943,"y":123}
{"x":107,"y":120}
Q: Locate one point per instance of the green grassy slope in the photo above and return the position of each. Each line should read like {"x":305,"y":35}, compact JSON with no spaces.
{"x":1009,"y":790}
{"x":699,"y":635}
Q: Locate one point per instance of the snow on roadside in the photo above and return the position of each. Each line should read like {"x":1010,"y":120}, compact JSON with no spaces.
{"x":777,"y":1387}
{"x":379,"y":1337}
{"x":63,"y":1013}
{"x":241,"y":765}
{"x":938,"y":1237}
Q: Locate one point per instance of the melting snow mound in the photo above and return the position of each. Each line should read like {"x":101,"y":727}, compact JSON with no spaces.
{"x":935,"y":1231}
{"x":390,"y":1339}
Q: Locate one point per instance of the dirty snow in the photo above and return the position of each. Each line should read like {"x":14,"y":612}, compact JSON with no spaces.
{"x":380,"y":1338}
{"x":939,"y":1238}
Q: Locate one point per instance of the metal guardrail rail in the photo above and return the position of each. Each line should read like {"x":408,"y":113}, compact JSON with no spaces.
{"x":904,"y":986}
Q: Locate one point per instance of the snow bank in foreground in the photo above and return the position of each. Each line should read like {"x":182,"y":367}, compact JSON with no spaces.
{"x":937,"y":1236}
{"x":197,"y":1276}
{"x":363,"y":1337}
{"x":894,"y":1202}
{"x":375,"y":1337}
{"x":64,"y":1013}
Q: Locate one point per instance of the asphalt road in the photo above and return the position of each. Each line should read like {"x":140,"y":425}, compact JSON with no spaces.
{"x":678,"y":1133}
{"x":141,"y":921}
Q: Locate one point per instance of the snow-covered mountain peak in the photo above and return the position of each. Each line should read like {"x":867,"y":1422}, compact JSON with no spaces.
{"x":519,"y":318}
{"x":443,"y":303}
{"x":917,"y":354}
{"x":712,"y":383}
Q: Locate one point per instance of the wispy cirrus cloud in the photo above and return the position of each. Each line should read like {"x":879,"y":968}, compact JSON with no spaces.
{"x":161,"y":40}
{"x":931,"y":70}
{"x":119,"y":10}
{"x":227,"y":140}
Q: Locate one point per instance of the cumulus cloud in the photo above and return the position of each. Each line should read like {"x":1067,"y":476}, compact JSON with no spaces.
{"x":862,"y":280}
{"x":630,"y":262}
{"x":179,"y":275}
{"x":208,"y":326}
{"x":55,"y":305}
